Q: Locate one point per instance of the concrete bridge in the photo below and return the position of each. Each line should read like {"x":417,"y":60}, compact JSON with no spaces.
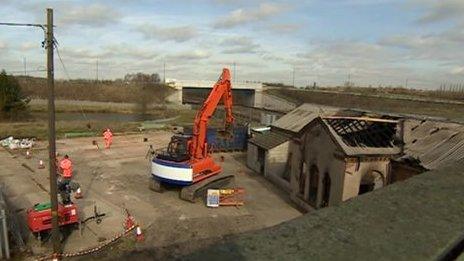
{"x":244,"y":93}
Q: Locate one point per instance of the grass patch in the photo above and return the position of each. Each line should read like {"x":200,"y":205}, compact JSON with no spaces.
{"x":39,"y":130}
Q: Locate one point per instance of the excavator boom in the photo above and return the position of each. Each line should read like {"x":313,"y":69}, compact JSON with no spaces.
{"x":222,"y":89}
{"x":187,"y":162}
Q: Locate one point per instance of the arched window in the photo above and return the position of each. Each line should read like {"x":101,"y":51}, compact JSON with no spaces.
{"x":313,"y":183}
{"x":302,"y":180}
{"x":326,"y":190}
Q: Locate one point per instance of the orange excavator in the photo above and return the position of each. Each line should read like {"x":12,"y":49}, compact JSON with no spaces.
{"x":187,"y":161}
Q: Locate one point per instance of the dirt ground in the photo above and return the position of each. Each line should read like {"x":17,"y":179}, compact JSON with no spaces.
{"x":115,"y":179}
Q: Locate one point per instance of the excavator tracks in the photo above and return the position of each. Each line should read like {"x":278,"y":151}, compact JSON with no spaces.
{"x":198,"y":190}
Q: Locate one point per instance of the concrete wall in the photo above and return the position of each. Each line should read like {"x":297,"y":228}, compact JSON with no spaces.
{"x":245,"y":97}
{"x":276,"y":160}
{"x":175,"y":97}
{"x":276,"y":163}
{"x":401,"y":171}
{"x":272,"y":102}
{"x":364,"y":170}
{"x":252,"y":157}
{"x":317,"y":151}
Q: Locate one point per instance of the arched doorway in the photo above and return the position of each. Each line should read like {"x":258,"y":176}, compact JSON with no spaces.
{"x":325,"y":190}
{"x":313,"y":183}
{"x":373,"y":180}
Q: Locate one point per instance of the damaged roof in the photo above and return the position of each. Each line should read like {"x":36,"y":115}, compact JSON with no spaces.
{"x":362,"y":135}
{"x":297,"y":119}
{"x":434,"y":143}
{"x":268,"y":140}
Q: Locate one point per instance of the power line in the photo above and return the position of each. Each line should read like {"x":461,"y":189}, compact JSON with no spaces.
{"x":24,"y":24}
{"x":22,"y":71}
{"x":55,"y":43}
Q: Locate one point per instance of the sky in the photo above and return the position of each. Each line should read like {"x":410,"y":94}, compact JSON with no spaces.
{"x":372,"y":42}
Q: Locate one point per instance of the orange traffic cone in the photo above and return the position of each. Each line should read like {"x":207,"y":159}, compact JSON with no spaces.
{"x":41,"y":164}
{"x":78,"y":194}
{"x":139,"y":234}
{"x":28,"y":154}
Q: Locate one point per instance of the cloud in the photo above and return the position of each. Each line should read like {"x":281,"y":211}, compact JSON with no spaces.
{"x":444,"y":46}
{"x":237,"y":45}
{"x":3,"y":45}
{"x":442,"y":10}
{"x":111,"y":52}
{"x":244,"y":16}
{"x":87,"y":15}
{"x":368,"y":63}
{"x":176,"y":34}
{"x":285,"y":27}
{"x":458,"y":71}
{"x":29,"y":46}
{"x":190,"y":55}
{"x":143,"y":53}
{"x":79,"y":53}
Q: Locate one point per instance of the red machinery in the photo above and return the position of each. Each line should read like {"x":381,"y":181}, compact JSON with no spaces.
{"x":39,"y":218}
{"x":187,"y":160}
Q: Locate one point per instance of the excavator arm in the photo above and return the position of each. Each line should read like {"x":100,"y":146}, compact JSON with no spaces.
{"x":222,"y":89}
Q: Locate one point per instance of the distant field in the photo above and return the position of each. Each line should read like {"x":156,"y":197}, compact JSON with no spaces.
{"x":35,"y":124}
{"x":88,"y":90}
{"x":450,"y":93}
{"x":387,"y":103}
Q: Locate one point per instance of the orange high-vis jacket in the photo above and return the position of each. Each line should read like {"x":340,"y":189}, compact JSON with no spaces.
{"x":107,"y":135}
{"x":66,"y":168}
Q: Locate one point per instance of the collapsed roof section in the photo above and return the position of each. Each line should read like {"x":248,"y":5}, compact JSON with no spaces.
{"x":364,"y":132}
{"x":363,"y":135}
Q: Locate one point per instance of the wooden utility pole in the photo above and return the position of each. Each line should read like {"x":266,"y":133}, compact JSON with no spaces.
{"x":235,"y":73}
{"x":164,"y":72}
{"x":293,"y":77}
{"x":96,"y":70}
{"x":51,"y":132}
{"x":25,"y":66}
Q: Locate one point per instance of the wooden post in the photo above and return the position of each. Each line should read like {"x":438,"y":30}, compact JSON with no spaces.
{"x":51,"y":133}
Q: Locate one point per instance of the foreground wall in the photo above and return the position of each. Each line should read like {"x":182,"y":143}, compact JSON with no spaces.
{"x":252,"y":158}
{"x":404,"y":221}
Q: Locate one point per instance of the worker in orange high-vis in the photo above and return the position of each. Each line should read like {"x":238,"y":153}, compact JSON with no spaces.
{"x":108,"y":136}
{"x":66,"y":169}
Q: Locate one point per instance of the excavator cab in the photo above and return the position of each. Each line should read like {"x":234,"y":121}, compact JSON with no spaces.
{"x":177,"y":149}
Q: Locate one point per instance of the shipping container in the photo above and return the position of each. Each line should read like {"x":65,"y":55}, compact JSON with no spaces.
{"x":217,"y":142}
